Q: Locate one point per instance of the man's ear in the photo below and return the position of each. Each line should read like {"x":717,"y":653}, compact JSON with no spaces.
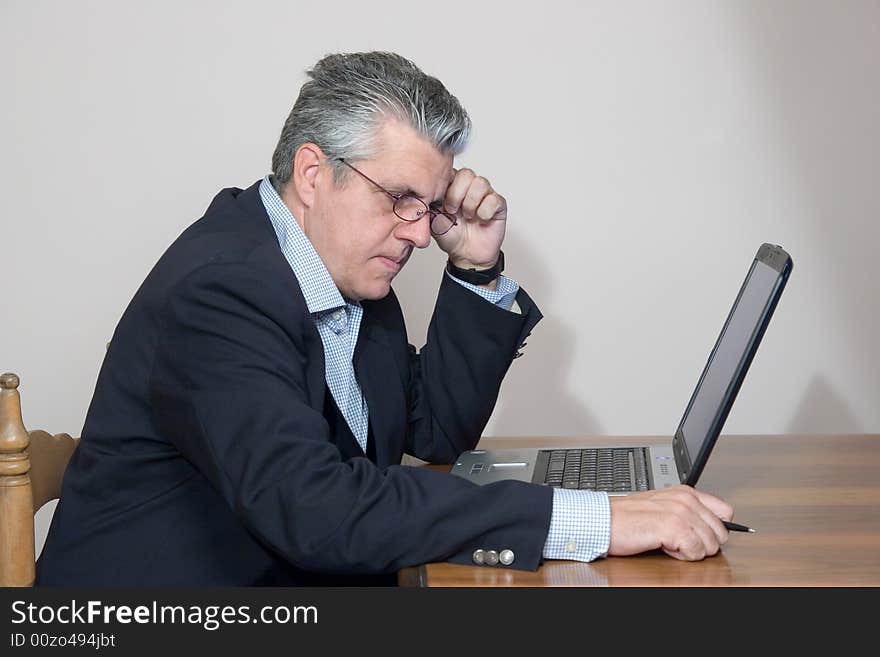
{"x":306,"y":170}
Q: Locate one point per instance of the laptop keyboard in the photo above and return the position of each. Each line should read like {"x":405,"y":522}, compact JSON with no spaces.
{"x":612,"y":469}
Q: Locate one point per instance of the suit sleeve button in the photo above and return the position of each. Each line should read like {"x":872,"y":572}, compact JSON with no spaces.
{"x":479,"y":557}
{"x":506,"y":557}
{"x":491,"y":558}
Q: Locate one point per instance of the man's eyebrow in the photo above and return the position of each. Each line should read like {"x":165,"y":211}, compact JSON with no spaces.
{"x":409,"y":191}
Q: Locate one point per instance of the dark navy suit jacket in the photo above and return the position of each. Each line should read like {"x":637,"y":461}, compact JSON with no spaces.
{"x":214,"y":454}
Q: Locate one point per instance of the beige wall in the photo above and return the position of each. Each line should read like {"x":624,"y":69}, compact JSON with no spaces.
{"x":646,"y":149}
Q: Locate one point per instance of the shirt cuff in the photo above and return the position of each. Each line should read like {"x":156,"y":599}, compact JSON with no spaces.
{"x":503,"y":296}
{"x":580,"y":525}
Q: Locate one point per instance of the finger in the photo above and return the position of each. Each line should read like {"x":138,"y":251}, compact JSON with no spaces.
{"x":492,"y":206}
{"x":478,"y":190}
{"x":680,"y":536}
{"x":716,"y":505}
{"x":677,"y":555}
{"x":457,"y":189}
{"x":689,"y":497}
{"x":713,"y":522}
{"x":690,"y":545}
{"x":706,"y":535}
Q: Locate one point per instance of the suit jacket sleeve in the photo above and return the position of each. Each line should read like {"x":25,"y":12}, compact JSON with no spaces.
{"x":455,"y":379}
{"x":229,"y":387}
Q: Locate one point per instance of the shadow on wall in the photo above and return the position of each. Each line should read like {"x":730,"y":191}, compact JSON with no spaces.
{"x":821,"y":410}
{"x":819,"y":67}
{"x":535,"y":396}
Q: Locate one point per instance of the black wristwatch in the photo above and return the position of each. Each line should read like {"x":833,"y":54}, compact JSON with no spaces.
{"x":477,"y":276}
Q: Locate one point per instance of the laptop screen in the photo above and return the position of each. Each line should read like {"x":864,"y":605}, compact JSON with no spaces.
{"x":730,"y":352}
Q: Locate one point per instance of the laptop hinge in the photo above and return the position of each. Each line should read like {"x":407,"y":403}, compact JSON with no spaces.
{"x":679,"y":451}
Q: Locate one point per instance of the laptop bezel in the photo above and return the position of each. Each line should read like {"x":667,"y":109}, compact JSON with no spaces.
{"x":690,"y":469}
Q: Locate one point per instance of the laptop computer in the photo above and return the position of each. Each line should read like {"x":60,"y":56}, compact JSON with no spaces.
{"x":620,"y":469}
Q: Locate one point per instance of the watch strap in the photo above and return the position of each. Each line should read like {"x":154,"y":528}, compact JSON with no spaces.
{"x":477,"y":276}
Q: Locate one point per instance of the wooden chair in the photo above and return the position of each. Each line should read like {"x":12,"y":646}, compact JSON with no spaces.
{"x":32,"y":465}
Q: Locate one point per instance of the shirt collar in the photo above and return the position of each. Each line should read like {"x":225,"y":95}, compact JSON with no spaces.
{"x":318,"y":288}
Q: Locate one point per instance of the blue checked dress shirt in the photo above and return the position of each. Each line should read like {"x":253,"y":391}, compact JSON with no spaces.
{"x":580,"y":525}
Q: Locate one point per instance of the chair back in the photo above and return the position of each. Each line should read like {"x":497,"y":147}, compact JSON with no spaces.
{"x":32,"y":466}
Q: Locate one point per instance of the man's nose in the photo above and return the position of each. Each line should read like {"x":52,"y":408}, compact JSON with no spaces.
{"x":417,"y":232}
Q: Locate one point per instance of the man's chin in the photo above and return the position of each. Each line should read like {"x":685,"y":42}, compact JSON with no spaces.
{"x":379,"y":290}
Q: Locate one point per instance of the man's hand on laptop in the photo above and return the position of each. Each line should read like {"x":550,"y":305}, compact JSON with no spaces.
{"x":683,"y":522}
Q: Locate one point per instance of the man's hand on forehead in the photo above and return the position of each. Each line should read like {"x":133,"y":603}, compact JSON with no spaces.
{"x":481,"y":215}
{"x":472,"y":197}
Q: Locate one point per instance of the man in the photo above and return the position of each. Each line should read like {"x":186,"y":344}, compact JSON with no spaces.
{"x":258,"y":394}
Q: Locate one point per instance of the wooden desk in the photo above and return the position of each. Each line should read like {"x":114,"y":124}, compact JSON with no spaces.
{"x":814,"y":501}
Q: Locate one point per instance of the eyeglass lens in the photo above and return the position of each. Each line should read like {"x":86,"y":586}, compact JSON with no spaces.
{"x":410,"y":208}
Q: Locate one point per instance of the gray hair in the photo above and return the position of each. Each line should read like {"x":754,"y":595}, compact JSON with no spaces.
{"x":350,"y":95}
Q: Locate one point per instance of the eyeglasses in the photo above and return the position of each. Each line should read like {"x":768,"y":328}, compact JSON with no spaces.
{"x":411,"y":208}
